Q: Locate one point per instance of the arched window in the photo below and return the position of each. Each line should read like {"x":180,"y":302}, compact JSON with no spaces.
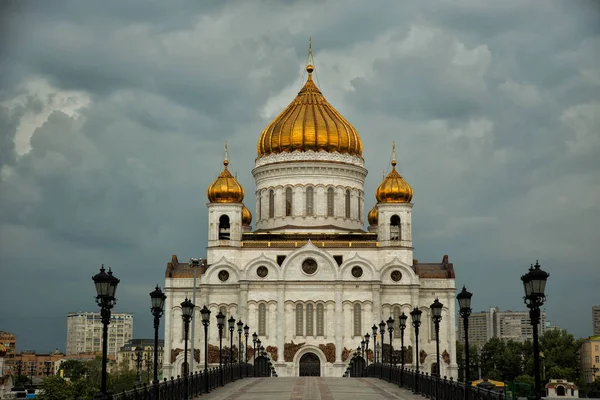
{"x":223,"y":310}
{"x":357,"y":320}
{"x":299,"y":320}
{"x":330,"y":202}
{"x":224,"y":233}
{"x":395,"y":228}
{"x":320,"y":318}
{"x":288,"y":202}
{"x":262,"y":319}
{"x":347,"y":203}
{"x":271,"y":203}
{"x":396,"y":321}
{"x":259,"y":207}
{"x":184,"y":369}
{"x":434,"y":369}
{"x":309,"y":201}
{"x":360,"y":218}
{"x":309,"y":320}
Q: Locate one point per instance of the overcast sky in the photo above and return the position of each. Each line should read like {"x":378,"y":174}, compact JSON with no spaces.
{"x":113,"y":116}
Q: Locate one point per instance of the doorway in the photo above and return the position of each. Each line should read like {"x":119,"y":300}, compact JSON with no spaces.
{"x":310,"y":365}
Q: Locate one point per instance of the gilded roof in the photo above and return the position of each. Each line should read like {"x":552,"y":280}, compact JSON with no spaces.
{"x":309,"y":122}
{"x":246,"y":216}
{"x":373,"y":216}
{"x":225,"y":189}
{"x":394,"y":189}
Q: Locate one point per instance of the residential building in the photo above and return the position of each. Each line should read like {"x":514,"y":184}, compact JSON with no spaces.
{"x":9,"y":341}
{"x":37,"y":365}
{"x":142,"y":350}
{"x":596,"y":320}
{"x":84,"y":332}
{"x":309,"y":279}
{"x":589,"y":356}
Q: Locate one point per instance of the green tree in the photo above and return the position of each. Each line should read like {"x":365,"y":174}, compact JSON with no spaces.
{"x":56,"y":388}
{"x":74,"y":369}
{"x":560,"y":356}
{"x":501,"y":360}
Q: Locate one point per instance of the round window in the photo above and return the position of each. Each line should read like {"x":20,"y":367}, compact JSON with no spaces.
{"x":357,"y":271}
{"x":396,"y":275}
{"x":262,"y":271}
{"x":309,"y":266}
{"x":223,"y":275}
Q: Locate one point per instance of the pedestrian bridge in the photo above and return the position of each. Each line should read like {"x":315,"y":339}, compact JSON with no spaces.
{"x":310,"y":388}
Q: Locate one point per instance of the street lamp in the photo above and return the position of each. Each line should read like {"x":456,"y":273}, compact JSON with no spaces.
{"x":416,"y":322}
{"x":187,"y":310}
{"x":534,"y":283}
{"x":231,"y":322}
{"x":362,"y":348}
{"x":254,"y":340}
{"x":220,"y":325}
{"x":137,"y":357}
{"x":246,"y":334}
{"x":106,"y":288}
{"x":157,"y":298}
{"x":367,"y":336}
{"x":390,"y":325}
{"x":436,"y":316}
{"x":464,"y":304}
{"x":403,"y":319}
{"x":374,"y":330}
{"x":382,"y":333}
{"x":240,"y":329}
{"x":205,"y":313}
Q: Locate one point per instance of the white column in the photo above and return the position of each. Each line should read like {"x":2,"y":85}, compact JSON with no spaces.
{"x":280,"y":321}
{"x":339,"y":321}
{"x":243,"y":303}
{"x":167,"y":327}
{"x":376,"y":298}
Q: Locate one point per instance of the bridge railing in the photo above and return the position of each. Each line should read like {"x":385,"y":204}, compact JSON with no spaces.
{"x":430,"y":386}
{"x":197,"y":383}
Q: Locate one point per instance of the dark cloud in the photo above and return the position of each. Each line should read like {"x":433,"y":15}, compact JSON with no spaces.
{"x":113,"y":117}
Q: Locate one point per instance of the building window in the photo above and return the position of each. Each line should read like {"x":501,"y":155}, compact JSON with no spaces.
{"x":597,"y":359}
{"x":320,"y":324}
{"x":360,"y":207}
{"x":396,"y":322}
{"x":357,"y":320}
{"x":262,"y":319}
{"x":309,"y":320}
{"x":299,"y":320}
{"x":395,"y":228}
{"x":258,"y":209}
{"x":288,"y":202}
{"x":347,"y":203}
{"x":271,"y":203}
{"x":330,"y":202}
{"x":223,"y":310}
{"x":224,"y":228}
{"x":309,"y":201}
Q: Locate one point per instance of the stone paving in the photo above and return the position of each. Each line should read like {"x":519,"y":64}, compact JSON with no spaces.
{"x":310,"y":388}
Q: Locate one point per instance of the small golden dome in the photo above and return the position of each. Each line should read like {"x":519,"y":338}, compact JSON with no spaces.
{"x":225,"y":189}
{"x":394,"y":189}
{"x":2,"y":350}
{"x":373,"y":216}
{"x":309,"y":123}
{"x":246,"y":216}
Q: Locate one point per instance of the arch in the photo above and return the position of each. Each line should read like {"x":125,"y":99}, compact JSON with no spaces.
{"x":408,"y":275}
{"x":330,"y":202}
{"x":271,"y":203}
{"x":347,"y":203}
{"x":222,"y":264}
{"x":560,"y":390}
{"x":310,"y":195}
{"x":249,"y":272}
{"x":368,"y":268}
{"x":327,"y":269}
{"x":262,"y":319}
{"x":308,"y":348}
{"x":289,"y":200}
{"x":320,"y":319}
{"x":224,"y":227}
{"x":430,"y":361}
{"x":309,"y":365}
{"x":357,"y":319}
{"x":299,"y":319}
{"x":310,"y":330}
{"x":395,"y":227}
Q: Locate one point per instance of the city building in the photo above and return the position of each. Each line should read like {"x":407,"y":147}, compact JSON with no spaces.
{"x":84,"y":332}
{"x":596,"y":319}
{"x":561,"y":388}
{"x":505,"y":325}
{"x":589,"y":356}
{"x":142,"y":350}
{"x":9,"y":341}
{"x":309,"y":279}
{"x":37,"y":365}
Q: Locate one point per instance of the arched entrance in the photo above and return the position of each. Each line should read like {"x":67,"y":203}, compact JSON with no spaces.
{"x":310,"y":365}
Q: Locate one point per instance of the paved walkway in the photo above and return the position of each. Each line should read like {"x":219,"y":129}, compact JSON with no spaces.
{"x":310,"y":388}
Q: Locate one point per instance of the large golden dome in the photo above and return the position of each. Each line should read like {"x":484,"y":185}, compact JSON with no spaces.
{"x":246,"y":216}
{"x":225,"y":189}
{"x":309,"y":123}
{"x":373,"y":216}
{"x":394,"y":189}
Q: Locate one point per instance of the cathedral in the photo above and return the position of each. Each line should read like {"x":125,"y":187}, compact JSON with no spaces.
{"x":309,"y":279}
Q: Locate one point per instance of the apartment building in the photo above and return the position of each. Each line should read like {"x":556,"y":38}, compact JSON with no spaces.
{"x":84,"y":332}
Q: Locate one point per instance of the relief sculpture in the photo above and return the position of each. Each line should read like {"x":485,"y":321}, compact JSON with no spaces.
{"x":290,"y":350}
{"x":329,"y":351}
{"x":174,"y":354}
{"x":272,"y":350}
{"x":422,"y":356}
{"x":345,"y":354}
{"x":446,"y":357}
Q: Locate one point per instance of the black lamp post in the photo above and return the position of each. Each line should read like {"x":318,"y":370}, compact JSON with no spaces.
{"x":403,"y":319}
{"x":246,"y":334}
{"x":534,"y":283}
{"x":436,"y":316}
{"x":416,"y":322}
{"x":382,"y":333}
{"x":205,"y":313}
{"x":157,"y":298}
{"x":187,"y":310}
{"x":137,"y":357}
{"x":254,"y":340}
{"x":106,"y":288}
{"x":148,"y":366}
{"x":220,"y":325}
{"x":367,"y":337}
{"x":240,"y":329}
{"x":390,"y":325}
{"x":231,"y":322}
{"x":464,"y":304}
{"x":362,"y":348}
{"x":374,"y":330}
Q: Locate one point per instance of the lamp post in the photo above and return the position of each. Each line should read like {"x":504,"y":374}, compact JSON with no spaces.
{"x":403,"y":319}
{"x":382,"y":334}
{"x":362,"y":348}
{"x":390,"y":325}
{"x":464,"y":304}
{"x":254,"y":340}
{"x":246,"y":334}
{"x":220,"y":325}
{"x":374,"y":330}
{"x":231,"y":322}
{"x":187,"y":310}
{"x":416,"y":322}
{"x":240,"y":326}
{"x":106,"y":288}
{"x":436,"y":316}
{"x":205,"y":313}
{"x":534,"y":283}
{"x":157,"y":298}
{"x":367,"y":336}
{"x":137,"y":356}
{"x":148,"y":366}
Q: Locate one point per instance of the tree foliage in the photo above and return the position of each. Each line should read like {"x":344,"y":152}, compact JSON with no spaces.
{"x":56,"y":388}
